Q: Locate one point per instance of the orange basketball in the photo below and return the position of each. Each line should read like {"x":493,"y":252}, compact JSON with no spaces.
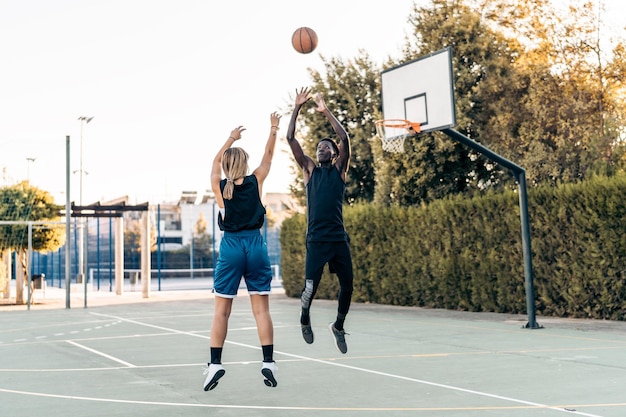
{"x":304,"y":40}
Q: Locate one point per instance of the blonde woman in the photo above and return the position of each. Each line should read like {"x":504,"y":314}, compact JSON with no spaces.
{"x":243,"y":251}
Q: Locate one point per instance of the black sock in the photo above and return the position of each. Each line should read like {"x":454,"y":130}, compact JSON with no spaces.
{"x":304,"y":316}
{"x":216,"y":355}
{"x":341,"y":318}
{"x":268,"y":353}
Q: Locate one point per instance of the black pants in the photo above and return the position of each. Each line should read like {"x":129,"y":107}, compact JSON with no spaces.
{"x":339,"y":259}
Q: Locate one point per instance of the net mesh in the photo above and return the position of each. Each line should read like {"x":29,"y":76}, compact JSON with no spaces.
{"x":394,"y":144}
{"x":392,"y":133}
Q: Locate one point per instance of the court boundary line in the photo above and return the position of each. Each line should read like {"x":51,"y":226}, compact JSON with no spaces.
{"x":424,"y":382}
{"x":523,"y":404}
{"x":114,"y":359}
{"x":563,"y":408}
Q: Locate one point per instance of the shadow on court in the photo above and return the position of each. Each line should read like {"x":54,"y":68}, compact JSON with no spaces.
{"x":128,"y":356}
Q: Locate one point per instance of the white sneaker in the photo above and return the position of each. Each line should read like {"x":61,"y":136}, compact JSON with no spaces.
{"x":269,"y":373}
{"x":215,"y":372}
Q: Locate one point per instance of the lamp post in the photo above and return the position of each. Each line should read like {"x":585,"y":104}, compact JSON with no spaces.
{"x":83,"y":120}
{"x":82,"y":273}
{"x":29,"y":161}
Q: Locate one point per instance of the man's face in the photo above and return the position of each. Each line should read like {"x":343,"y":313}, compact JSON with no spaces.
{"x":325,"y":151}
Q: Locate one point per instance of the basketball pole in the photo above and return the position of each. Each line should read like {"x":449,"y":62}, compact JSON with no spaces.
{"x":520,"y":176}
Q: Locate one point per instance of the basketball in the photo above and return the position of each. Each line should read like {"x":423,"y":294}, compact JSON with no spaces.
{"x":304,"y":40}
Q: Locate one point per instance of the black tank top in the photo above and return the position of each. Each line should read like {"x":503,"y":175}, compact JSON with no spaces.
{"x":325,"y":192}
{"x":245,"y":210}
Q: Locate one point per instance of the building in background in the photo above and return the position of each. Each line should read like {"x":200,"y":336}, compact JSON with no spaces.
{"x":176,"y":245}
{"x":177,"y":221}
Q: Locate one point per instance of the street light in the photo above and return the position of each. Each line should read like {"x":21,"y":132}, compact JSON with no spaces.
{"x":83,"y":120}
{"x":29,"y":161}
{"x":81,"y":235}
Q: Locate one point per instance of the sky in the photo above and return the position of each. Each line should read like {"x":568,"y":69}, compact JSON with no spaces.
{"x":165,"y":82}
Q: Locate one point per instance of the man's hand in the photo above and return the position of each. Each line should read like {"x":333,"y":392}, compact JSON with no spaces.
{"x":321,"y":104}
{"x":302,"y":96}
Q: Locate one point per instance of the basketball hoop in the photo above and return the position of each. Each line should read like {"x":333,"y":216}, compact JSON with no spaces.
{"x":393,"y":132}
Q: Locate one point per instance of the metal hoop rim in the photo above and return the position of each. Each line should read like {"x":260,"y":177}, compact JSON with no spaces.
{"x":399,"y":124}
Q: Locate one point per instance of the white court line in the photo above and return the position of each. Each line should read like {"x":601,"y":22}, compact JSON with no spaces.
{"x":130,"y":365}
{"x":270,"y":407}
{"x":370,"y":371}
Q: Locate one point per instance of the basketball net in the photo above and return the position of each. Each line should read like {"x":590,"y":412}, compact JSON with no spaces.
{"x":393,"y":132}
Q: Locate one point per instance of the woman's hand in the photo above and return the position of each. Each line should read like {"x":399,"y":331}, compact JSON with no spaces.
{"x":235,"y":134}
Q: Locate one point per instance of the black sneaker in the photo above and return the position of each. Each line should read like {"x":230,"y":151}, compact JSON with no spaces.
{"x":340,"y":338}
{"x":307,"y":333}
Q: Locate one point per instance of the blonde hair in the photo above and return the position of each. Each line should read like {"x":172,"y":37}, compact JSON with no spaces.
{"x":235,"y":166}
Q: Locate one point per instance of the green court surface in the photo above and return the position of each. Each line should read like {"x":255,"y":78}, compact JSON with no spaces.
{"x":130,"y":356}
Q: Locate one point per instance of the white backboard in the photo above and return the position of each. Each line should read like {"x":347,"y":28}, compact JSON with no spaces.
{"x":421,"y":91}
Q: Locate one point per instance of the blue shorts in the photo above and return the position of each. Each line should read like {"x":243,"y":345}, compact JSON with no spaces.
{"x":242,"y":255}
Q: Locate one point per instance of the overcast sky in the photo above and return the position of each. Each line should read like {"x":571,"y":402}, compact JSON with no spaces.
{"x":165,"y":82}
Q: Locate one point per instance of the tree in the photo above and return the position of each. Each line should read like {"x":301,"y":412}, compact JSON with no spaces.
{"x":132,"y":244}
{"x":201,"y":244}
{"x":568,"y":121}
{"x":23,"y":202}
{"x":133,"y":230}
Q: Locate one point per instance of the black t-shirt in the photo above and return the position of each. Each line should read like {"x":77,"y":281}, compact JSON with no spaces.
{"x":245,"y":210}
{"x":325,"y":192}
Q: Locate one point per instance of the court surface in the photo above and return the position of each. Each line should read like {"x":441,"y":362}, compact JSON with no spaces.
{"x":131,"y":356}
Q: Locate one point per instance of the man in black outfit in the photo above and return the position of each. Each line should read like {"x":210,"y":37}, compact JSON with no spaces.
{"x":326,"y":241}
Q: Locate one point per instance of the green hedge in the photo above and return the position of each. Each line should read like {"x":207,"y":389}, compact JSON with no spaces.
{"x":466,"y":254}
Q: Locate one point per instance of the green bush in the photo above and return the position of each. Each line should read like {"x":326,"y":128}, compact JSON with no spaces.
{"x":466,"y":254}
